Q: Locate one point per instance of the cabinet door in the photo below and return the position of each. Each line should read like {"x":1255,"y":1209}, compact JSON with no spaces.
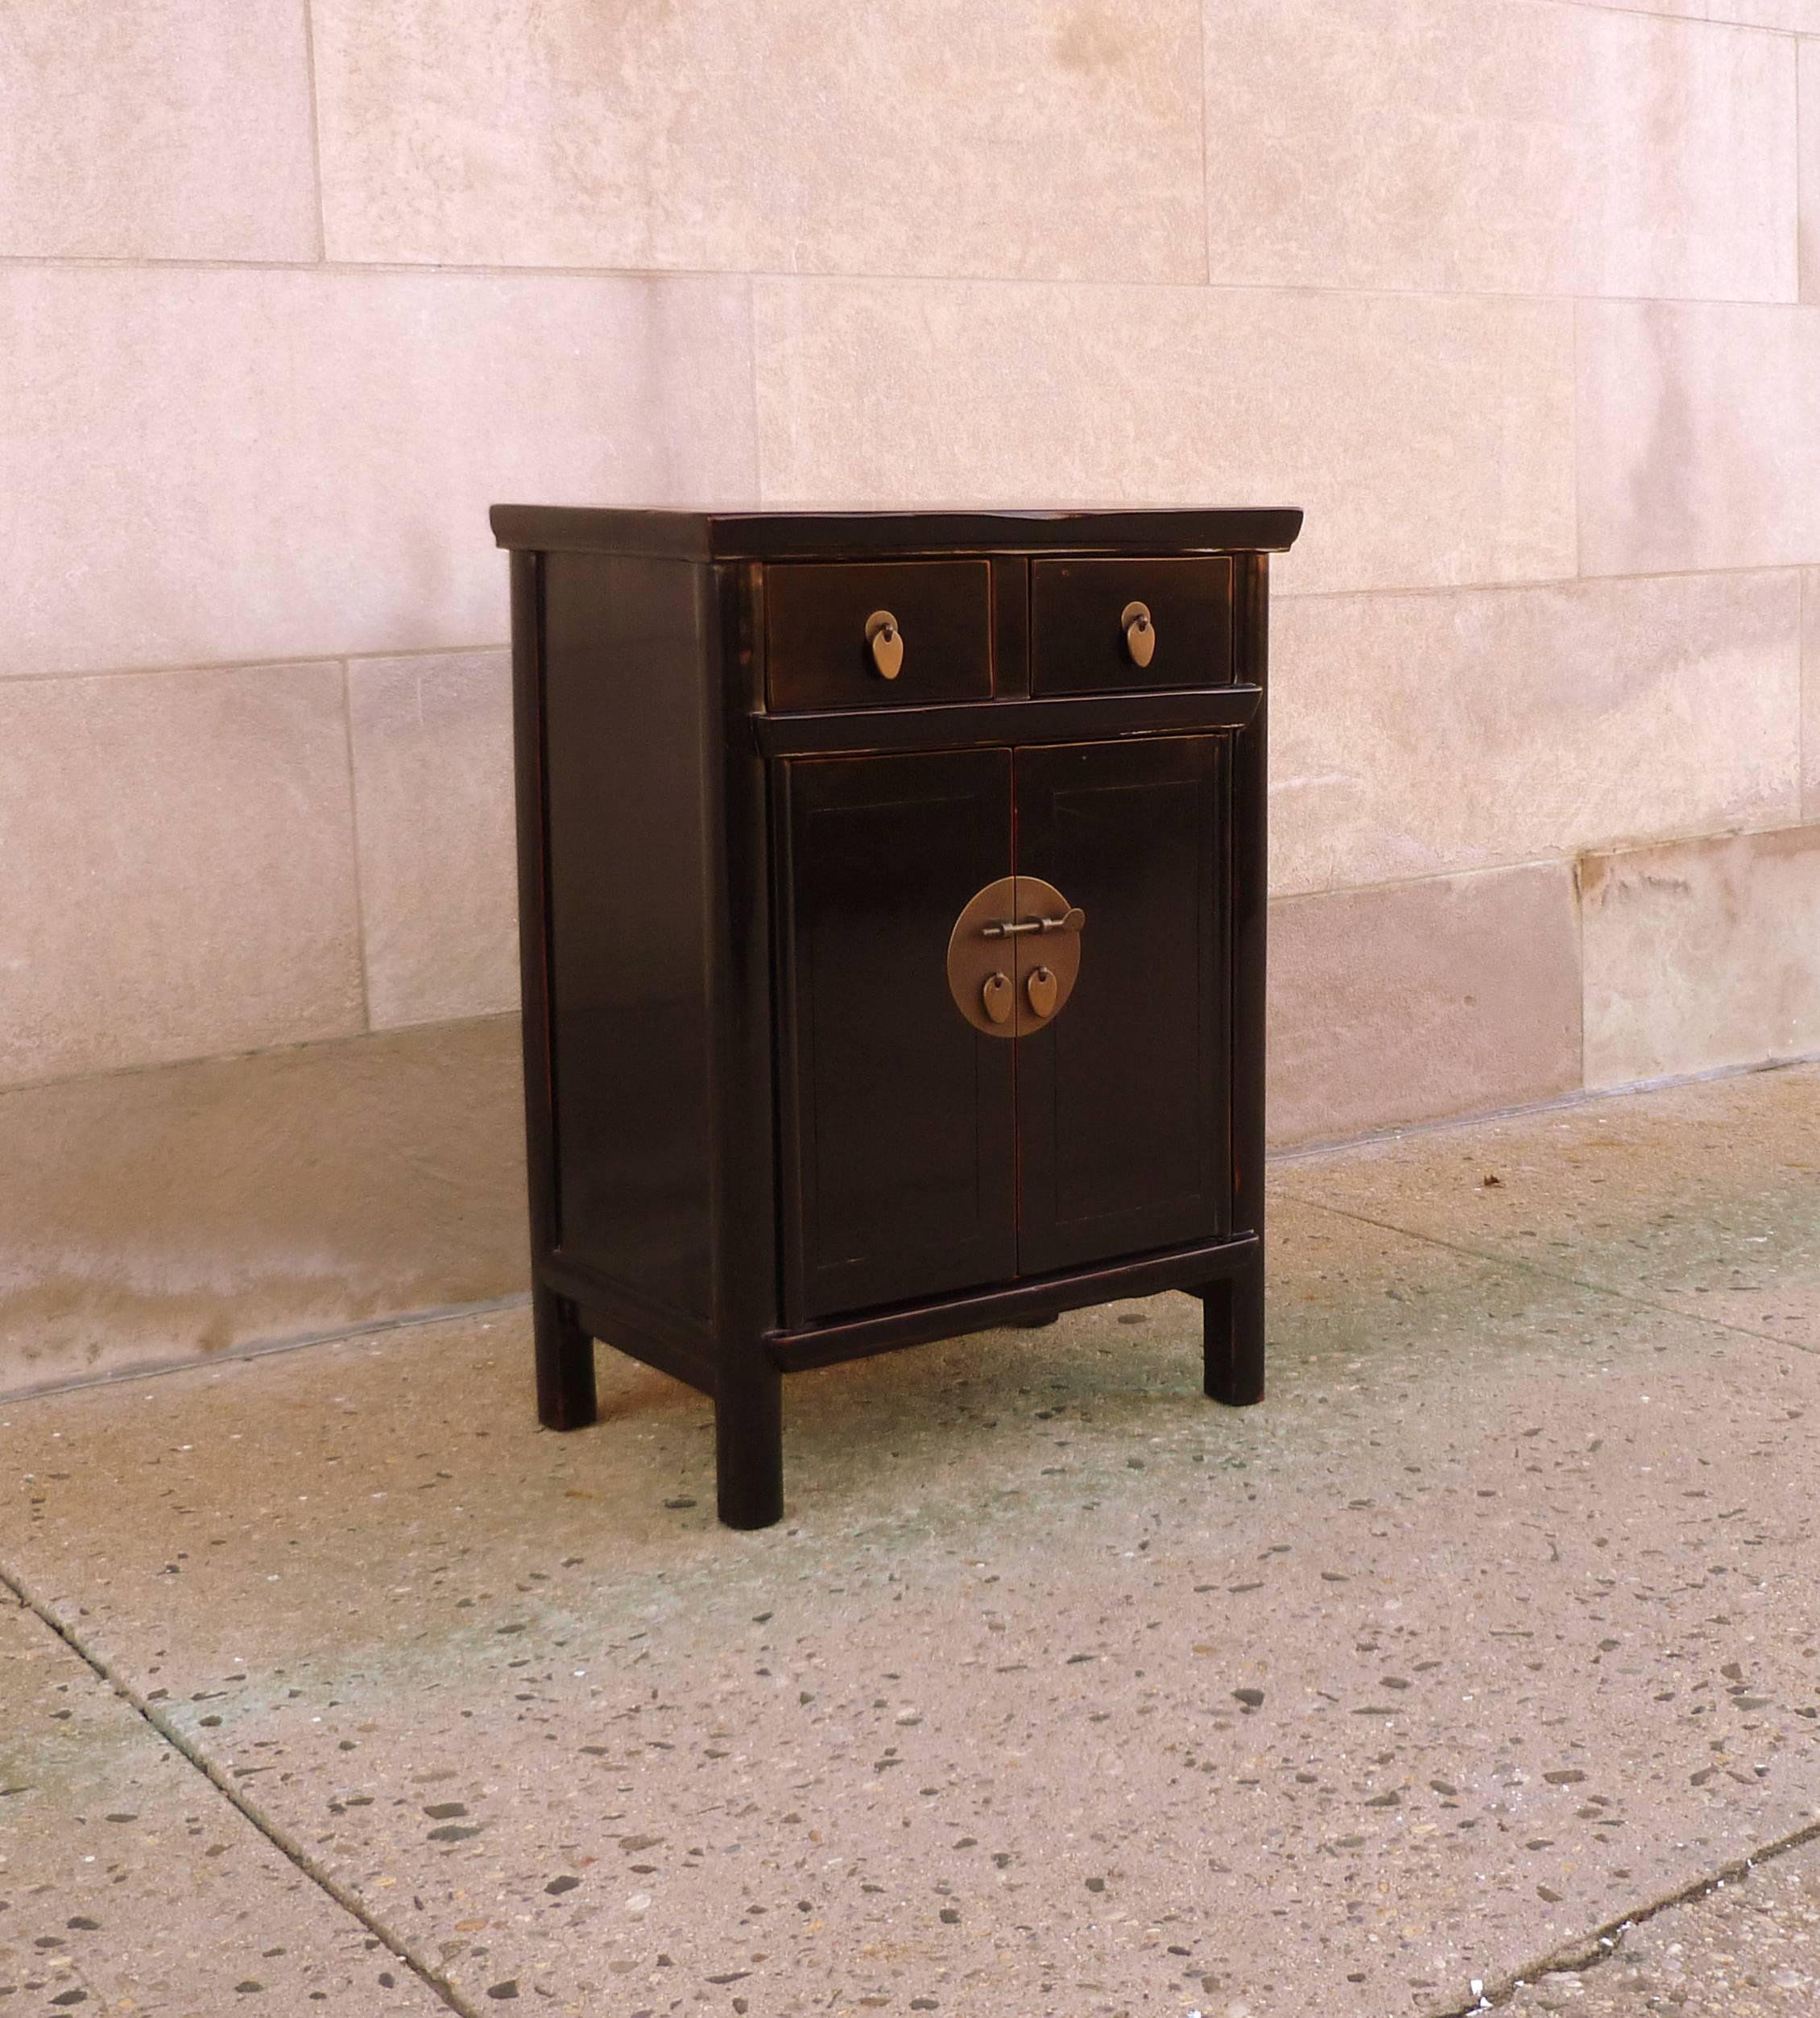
{"x":899,"y":1139}
{"x":1123,"y":1099}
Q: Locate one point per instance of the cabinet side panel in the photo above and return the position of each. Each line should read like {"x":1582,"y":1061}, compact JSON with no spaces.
{"x":626,"y":643}
{"x":533,"y":900}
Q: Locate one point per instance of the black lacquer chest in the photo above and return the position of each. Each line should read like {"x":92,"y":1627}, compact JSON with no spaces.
{"x":892,"y":909}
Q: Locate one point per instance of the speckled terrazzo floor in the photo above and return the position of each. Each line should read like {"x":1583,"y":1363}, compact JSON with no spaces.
{"x":337,"y":1686}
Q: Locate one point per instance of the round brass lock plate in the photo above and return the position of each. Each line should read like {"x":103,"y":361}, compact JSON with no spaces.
{"x":1052,"y":958}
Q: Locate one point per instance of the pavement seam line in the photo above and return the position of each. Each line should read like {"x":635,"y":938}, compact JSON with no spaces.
{"x":1569,"y":1102}
{"x":280,"y":1839}
{"x":1591,"y":1951}
{"x":269,"y":1348}
{"x":1550,"y":1275}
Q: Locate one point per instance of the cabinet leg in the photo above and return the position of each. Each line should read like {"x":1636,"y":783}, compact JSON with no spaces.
{"x":566,"y":1363}
{"x":749,"y":1444}
{"x":1232,"y":1337}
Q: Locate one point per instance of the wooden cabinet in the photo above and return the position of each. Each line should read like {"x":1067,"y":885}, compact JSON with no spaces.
{"x":892,"y":917}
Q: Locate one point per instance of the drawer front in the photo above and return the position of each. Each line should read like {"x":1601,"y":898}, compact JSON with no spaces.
{"x":819,"y":653}
{"x":1086,"y":637}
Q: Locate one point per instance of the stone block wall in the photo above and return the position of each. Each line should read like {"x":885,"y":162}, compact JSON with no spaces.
{"x":1511,"y":295}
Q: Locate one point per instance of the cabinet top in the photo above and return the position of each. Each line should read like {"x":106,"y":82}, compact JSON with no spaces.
{"x":823,"y":535}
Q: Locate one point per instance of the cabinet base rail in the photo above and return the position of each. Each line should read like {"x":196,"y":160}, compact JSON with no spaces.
{"x":1190,"y":1268}
{"x":573,"y":1307}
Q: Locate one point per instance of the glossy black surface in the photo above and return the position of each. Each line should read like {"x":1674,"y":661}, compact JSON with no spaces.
{"x":1122,"y":1102}
{"x":829,"y":536}
{"x":625,"y":759}
{"x":1200,"y":1271}
{"x":816,"y":649}
{"x":566,"y":1352}
{"x":748,"y":1383}
{"x":899,"y":1131}
{"x":1001,"y":724}
{"x":1235,"y":1329}
{"x":760,"y":1135}
{"x":1078,"y":643}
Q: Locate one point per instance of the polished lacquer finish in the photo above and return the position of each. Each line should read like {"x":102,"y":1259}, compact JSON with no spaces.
{"x":891,"y":899}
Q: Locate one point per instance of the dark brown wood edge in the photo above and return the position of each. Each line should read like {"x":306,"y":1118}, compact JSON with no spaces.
{"x":834,"y":535}
{"x":748,"y":1392}
{"x":613,"y":1322}
{"x":1190,"y":1268}
{"x":745,"y":585}
{"x":1235,"y":1312}
{"x":791,"y":1213}
{"x":741,"y":1104}
{"x":1010,"y":626}
{"x":564,"y":1353}
{"x":1250,"y":905}
{"x":672,"y":1328}
{"x":972,"y":725}
{"x":1225,"y":958}
{"x":606,"y":1311}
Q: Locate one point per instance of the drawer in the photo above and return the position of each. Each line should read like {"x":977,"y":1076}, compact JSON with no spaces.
{"x":819,"y":654}
{"x":1083,"y":640}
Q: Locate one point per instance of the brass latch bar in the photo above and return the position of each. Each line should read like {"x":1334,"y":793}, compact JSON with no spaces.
{"x":1072,"y":920}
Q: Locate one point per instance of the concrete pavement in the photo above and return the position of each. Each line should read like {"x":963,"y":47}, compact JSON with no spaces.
{"x":1060,"y":1690}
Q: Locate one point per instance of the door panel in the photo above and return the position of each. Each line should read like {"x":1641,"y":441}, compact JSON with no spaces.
{"x":1122,"y":1099}
{"x":899,"y":1134}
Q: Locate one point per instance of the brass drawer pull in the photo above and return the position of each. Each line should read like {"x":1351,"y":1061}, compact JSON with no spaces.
{"x":1041,"y":987}
{"x":997,"y":996}
{"x":1140,"y":633}
{"x":887,"y":641}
